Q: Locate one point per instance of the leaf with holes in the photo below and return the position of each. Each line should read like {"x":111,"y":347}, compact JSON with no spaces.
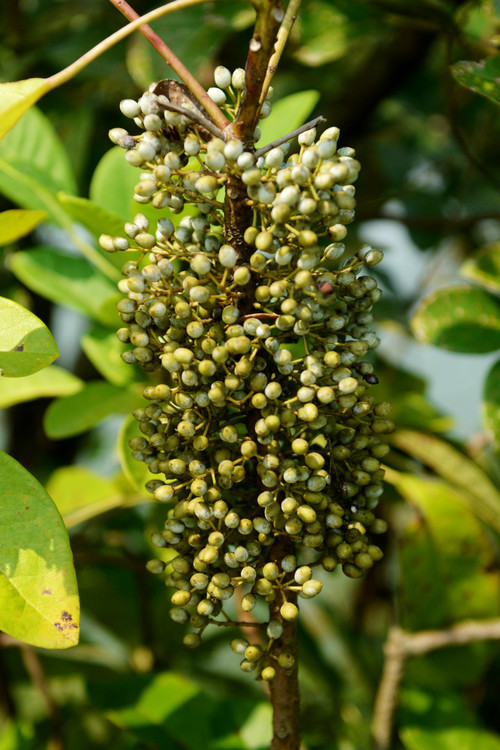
{"x":26,"y":344}
{"x":38,"y":587}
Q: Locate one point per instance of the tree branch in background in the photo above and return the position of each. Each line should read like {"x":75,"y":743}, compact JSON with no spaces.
{"x":173,"y":61}
{"x":400,"y":646}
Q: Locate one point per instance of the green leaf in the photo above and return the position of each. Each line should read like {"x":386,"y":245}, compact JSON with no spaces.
{"x":38,"y":587}
{"x":48,"y":383}
{"x":445,"y":557}
{"x":28,"y":192}
{"x":83,"y":410}
{"x":135,"y":471}
{"x":16,"y":98}
{"x":34,"y":148}
{"x":69,"y":281}
{"x":287,"y":114}
{"x":97,"y":220}
{"x":484,"y":267}
{"x":491,"y":399}
{"x":26,"y":344}
{"x":104,"y":350}
{"x":481,"y":495}
{"x":16,"y":735}
{"x":482,"y":77}
{"x":80,"y":494}
{"x":113,"y":185}
{"x":460,"y":318}
{"x":453,"y":738}
{"x":17,"y":223}
{"x":326,"y":31}
{"x":160,"y":707}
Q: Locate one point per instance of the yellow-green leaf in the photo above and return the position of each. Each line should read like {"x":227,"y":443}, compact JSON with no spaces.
{"x":17,"y":223}
{"x":26,"y":344}
{"x":480,"y":494}
{"x":38,"y":587}
{"x":80,"y":494}
{"x":16,"y":98}
{"x":47,"y":383}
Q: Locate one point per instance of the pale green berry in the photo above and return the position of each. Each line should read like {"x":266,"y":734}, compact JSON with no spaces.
{"x":289,"y":611}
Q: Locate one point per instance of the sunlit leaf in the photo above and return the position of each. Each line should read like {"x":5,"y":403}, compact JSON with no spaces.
{"x":47,"y":383}
{"x":34,"y":148}
{"x":491,"y":398}
{"x":482,"y":497}
{"x":445,"y":557}
{"x":26,"y":344}
{"x":16,"y":98}
{"x":69,"y":281}
{"x":81,"y":494}
{"x":37,"y":580}
{"x":451,"y":738}
{"x":460,"y":318}
{"x":482,"y":77}
{"x":17,"y":223}
{"x":16,"y":735}
{"x":86,"y":408}
{"x":484,"y":267}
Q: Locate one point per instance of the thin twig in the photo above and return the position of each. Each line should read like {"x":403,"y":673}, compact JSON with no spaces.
{"x":281,"y":40}
{"x":400,"y":646}
{"x":68,"y":73}
{"x":196,"y":116}
{"x":171,"y":59}
{"x":289,"y":136}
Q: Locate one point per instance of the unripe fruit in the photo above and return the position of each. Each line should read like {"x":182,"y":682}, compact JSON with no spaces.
{"x":264,"y":436}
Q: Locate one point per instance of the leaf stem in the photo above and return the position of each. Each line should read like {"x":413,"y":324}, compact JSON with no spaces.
{"x":173,"y":61}
{"x":281,"y":40}
{"x":68,"y":73}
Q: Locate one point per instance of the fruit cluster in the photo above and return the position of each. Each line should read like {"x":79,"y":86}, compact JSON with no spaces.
{"x":262,"y":434}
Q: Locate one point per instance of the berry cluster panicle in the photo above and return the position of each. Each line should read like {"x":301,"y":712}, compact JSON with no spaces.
{"x":262,"y":429}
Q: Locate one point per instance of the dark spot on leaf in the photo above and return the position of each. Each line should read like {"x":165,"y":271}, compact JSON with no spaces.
{"x":59,"y":626}
{"x":47,"y":591}
{"x":66,"y":617}
{"x":19,"y":348}
{"x":26,"y":507}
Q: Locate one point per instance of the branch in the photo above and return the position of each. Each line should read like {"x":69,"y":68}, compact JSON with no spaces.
{"x":281,"y":40}
{"x":260,"y":51}
{"x":400,"y":646}
{"x":289,"y":136}
{"x":171,"y":59}
{"x":68,"y":73}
